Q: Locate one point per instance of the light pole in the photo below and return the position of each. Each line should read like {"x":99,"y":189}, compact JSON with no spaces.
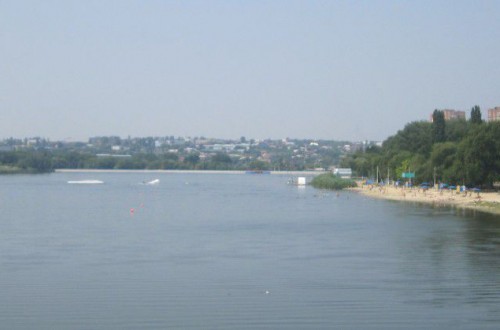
{"x":434,"y":176}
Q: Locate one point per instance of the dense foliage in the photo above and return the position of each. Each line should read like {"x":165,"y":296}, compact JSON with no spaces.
{"x":25,"y":162}
{"x":475,"y":115}
{"x":453,"y":152}
{"x":438,"y":126}
{"x":46,"y":161}
{"x":330,"y":181}
{"x":33,"y":161}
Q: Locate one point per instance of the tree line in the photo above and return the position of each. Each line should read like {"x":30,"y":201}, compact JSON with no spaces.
{"x":456,"y":152}
{"x":44,"y":161}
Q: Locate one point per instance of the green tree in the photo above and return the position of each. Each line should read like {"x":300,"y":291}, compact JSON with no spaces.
{"x":131,"y":163}
{"x":221,"y":158}
{"x":106,"y":162}
{"x":192,"y":159}
{"x":9,"y":158}
{"x":475,"y":115}
{"x":422,"y":167}
{"x":170,"y":156}
{"x":438,"y":126}
{"x":479,"y":155}
{"x":220,"y":161}
{"x":443,"y":157}
{"x":402,"y":168}
{"x":258,"y":165}
{"x":456,"y":130}
{"x":35,"y":161}
{"x":415,"y":137}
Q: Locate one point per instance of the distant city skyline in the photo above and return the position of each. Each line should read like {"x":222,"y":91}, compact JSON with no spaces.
{"x":333,"y":70}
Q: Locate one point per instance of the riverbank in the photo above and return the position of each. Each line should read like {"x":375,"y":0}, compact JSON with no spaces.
{"x":289,"y":173}
{"x":484,"y":201}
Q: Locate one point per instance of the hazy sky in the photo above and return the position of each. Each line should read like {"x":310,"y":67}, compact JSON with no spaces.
{"x":350,"y":70}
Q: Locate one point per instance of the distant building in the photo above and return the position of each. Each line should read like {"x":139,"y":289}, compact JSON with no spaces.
{"x":265,"y":157}
{"x":494,"y":114}
{"x":344,"y":173}
{"x":450,"y":114}
{"x":453,"y":114}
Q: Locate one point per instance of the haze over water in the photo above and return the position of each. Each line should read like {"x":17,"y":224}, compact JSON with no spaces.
{"x":219,"y":251}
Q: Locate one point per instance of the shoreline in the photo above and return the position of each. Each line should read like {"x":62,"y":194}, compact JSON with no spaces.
{"x":308,"y":173}
{"x":488,"y":202}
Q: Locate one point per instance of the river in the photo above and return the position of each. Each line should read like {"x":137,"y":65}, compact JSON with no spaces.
{"x":216,"y":251}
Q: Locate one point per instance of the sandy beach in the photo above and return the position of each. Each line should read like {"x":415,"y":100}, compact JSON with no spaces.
{"x":483,"y":201}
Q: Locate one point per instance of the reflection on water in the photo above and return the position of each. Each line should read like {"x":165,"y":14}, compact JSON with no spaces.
{"x":237,"y":251}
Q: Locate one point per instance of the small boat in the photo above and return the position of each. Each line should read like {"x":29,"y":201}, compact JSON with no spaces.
{"x":86,"y":182}
{"x":152,"y":182}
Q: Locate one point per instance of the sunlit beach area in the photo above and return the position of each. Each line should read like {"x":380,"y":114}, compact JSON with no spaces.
{"x":473,"y":200}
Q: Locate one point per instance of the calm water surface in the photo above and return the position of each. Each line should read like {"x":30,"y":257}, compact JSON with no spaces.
{"x":215,"y":251}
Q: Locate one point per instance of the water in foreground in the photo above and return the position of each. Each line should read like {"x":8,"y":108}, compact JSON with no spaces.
{"x":237,"y":251}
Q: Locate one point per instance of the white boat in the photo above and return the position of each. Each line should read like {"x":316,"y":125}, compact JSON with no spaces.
{"x":86,"y":182}
{"x":153,"y":182}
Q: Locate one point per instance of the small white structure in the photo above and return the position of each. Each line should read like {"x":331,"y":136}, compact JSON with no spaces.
{"x":301,"y":181}
{"x":344,"y":173}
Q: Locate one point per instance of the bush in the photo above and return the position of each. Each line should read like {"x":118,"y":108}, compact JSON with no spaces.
{"x":330,"y":181}
{"x":5,"y":169}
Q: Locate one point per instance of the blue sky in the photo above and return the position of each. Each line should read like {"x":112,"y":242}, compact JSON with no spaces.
{"x":350,"y":70}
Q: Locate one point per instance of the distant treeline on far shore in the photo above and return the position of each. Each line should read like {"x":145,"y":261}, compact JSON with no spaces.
{"x":44,"y":161}
{"x":278,"y":155}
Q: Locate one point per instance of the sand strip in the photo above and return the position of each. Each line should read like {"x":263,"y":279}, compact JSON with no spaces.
{"x":483,"y":201}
